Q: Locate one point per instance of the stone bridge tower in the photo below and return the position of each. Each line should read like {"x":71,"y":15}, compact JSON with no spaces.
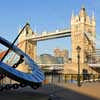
{"x":29,"y":47}
{"x":79,"y":25}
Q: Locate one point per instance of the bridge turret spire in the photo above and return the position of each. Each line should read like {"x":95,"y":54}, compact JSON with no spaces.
{"x":72,"y":14}
{"x":93,"y":17}
{"x":93,"y":20}
{"x":72,"y":18}
{"x":27,"y":23}
{"x":82,"y":12}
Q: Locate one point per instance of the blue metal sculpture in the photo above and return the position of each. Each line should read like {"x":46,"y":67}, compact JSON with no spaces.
{"x":35,"y":78}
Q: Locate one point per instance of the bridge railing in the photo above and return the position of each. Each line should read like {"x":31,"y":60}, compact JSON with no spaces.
{"x":70,"y":78}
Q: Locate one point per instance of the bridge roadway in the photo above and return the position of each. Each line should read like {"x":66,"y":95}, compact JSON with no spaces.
{"x":52,"y":66}
{"x":50,"y":35}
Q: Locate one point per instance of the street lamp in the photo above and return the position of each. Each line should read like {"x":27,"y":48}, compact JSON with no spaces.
{"x":78,"y":62}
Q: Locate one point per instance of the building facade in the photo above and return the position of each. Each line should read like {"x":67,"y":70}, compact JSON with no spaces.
{"x":61,"y":54}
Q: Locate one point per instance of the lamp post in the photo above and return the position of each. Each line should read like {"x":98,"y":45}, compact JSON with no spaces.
{"x":78,"y":62}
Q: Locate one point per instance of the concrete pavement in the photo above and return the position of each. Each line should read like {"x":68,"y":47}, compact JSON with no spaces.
{"x":58,"y":91}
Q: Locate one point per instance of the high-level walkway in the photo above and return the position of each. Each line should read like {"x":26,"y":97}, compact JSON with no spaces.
{"x":50,"y":35}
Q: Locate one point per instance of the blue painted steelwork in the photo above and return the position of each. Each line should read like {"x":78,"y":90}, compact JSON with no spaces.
{"x":36,"y":76}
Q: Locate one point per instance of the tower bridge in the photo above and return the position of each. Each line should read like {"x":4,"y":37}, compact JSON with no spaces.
{"x":82,"y":33}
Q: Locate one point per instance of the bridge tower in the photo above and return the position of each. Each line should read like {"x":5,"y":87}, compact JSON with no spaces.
{"x":81,"y":24}
{"x":28,"y":46}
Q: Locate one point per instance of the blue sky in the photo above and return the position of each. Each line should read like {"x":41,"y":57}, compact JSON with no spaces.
{"x":44,"y":15}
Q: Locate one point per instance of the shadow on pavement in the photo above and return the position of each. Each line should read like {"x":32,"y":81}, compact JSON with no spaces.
{"x":47,"y":92}
{"x":66,"y":93}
